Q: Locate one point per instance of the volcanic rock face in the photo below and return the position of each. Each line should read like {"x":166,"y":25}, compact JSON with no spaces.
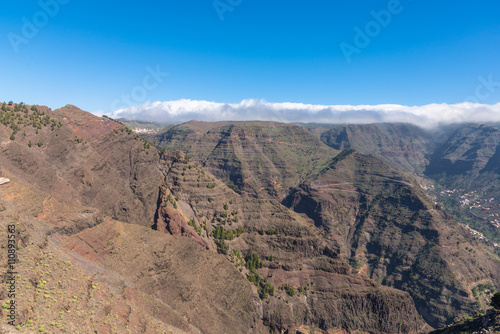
{"x":486,"y":324}
{"x":255,"y":228}
{"x":391,"y":232}
{"x":90,"y":161}
{"x":199,"y":286}
{"x":468,"y":159}
{"x":294,"y":254}
{"x":258,"y":158}
{"x":403,"y":146}
{"x":119,"y":277}
{"x":377,"y":219}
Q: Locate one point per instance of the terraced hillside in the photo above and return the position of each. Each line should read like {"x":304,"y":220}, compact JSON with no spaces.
{"x":383,"y":224}
{"x":301,"y":279}
{"x":250,"y":228}
{"x":84,"y":202}
{"x":388,"y":228}
{"x":404,"y":147}
{"x":259,"y":158}
{"x":457,"y":164}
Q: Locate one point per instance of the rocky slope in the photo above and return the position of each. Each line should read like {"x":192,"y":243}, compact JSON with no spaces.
{"x":471,"y":150}
{"x":86,"y":160}
{"x":259,"y":158}
{"x":457,"y":164}
{"x":404,"y":147}
{"x":383,"y":224}
{"x":485,"y":324}
{"x":468,"y":159}
{"x":214,"y":262}
{"x":318,"y":287}
{"x":466,"y":167}
{"x":82,"y":270}
{"x":389,"y":230}
{"x":251,"y":228}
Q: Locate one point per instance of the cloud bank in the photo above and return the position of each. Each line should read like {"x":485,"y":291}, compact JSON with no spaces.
{"x":427,"y":116}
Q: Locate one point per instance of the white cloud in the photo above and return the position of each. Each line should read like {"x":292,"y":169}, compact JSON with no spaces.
{"x":426,"y":116}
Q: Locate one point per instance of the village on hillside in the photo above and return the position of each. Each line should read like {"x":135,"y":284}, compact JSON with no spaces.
{"x":486,"y":209}
{"x":145,"y":131}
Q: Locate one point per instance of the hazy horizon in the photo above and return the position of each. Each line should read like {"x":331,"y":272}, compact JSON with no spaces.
{"x":427,"y":116}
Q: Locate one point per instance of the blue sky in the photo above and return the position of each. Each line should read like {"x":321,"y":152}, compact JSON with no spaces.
{"x":92,"y":53}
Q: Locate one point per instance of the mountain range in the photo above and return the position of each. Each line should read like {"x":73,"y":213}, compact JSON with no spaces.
{"x":247,"y":227}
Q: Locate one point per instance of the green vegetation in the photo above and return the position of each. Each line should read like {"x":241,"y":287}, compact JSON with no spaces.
{"x":18,"y":116}
{"x":271,"y":231}
{"x":266,"y":288}
{"x":21,"y":116}
{"x":252,"y":263}
{"x":290,"y":289}
{"x":341,"y":156}
{"x":495,"y":300}
{"x":192,"y":223}
{"x":220,"y":233}
{"x":80,"y":140}
{"x":237,"y":259}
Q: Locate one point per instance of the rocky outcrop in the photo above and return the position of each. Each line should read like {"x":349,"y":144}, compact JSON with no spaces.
{"x":262,"y":159}
{"x":293,"y":251}
{"x":485,"y":324}
{"x":87,"y":160}
{"x":387,"y":227}
{"x":405,"y":147}
{"x":199,"y":286}
{"x":356,"y":247}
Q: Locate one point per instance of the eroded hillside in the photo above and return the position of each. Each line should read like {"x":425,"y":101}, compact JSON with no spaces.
{"x":81,"y":266}
{"x":233,"y":228}
{"x":383,"y":224}
{"x":258,"y":158}
{"x":389,"y":229}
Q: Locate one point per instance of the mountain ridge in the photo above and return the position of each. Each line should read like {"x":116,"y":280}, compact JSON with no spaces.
{"x":95,"y":194}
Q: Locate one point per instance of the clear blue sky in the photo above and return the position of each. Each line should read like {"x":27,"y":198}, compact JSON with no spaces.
{"x":92,"y":52}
